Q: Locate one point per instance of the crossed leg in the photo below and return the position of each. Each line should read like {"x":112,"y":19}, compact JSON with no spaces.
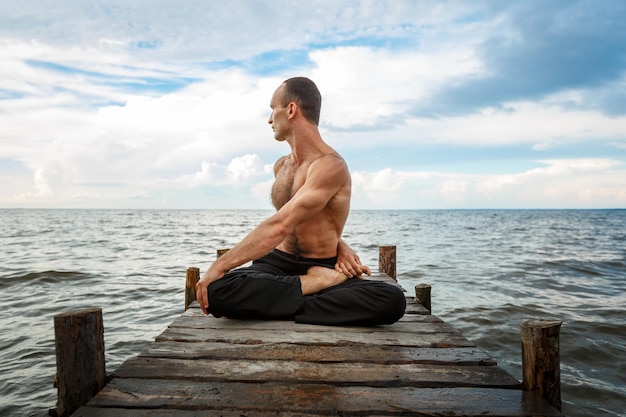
{"x":318,"y":278}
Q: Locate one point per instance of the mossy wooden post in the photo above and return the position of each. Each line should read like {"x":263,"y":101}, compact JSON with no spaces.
{"x":422,"y":296}
{"x":387,"y":260}
{"x":540,"y":359}
{"x":79,"y":344}
{"x":193,"y":276}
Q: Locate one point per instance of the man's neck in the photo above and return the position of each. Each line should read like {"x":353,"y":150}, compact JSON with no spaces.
{"x":307,"y":144}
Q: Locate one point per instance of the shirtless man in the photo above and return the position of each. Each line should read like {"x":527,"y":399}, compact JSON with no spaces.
{"x":301,"y":268}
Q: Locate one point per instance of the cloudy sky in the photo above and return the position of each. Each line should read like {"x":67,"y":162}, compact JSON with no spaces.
{"x":164,"y":104}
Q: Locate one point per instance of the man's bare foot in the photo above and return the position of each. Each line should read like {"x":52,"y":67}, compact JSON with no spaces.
{"x":318,"y":278}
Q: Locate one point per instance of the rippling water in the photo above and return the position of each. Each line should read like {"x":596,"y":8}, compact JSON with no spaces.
{"x":490,"y":270}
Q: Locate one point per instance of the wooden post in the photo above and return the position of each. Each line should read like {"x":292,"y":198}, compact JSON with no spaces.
{"x":387,"y":260}
{"x":79,"y":344}
{"x":193,"y":276}
{"x":540,"y":359}
{"x":422,"y":296}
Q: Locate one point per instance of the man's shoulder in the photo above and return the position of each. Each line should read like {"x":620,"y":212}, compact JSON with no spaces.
{"x":279,"y":163}
{"x":329,"y":167}
{"x":329,"y":160}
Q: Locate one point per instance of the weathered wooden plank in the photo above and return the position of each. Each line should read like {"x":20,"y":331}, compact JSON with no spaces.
{"x":412,"y":308}
{"x":417,"y":317}
{"x":318,"y":399}
{"x":130,"y":412}
{"x":420,"y":325}
{"x":363,"y":353}
{"x":250,"y":336}
{"x":411,"y":323}
{"x":370,"y":374}
{"x":197,"y":314}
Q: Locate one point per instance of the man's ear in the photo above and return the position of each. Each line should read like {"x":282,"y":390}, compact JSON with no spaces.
{"x":292,"y":109}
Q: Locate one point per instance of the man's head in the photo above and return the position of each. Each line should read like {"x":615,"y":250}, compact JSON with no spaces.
{"x":305,"y":94}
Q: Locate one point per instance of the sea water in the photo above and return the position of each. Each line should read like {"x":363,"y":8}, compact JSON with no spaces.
{"x":489,"y":271}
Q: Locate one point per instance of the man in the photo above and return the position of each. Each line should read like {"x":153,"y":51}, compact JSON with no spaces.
{"x":301,"y":269}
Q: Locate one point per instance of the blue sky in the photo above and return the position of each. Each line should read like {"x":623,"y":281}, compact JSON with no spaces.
{"x":434,"y":104}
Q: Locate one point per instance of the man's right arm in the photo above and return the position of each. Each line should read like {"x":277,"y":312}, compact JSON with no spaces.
{"x":320,"y":186}
{"x":265,"y":237}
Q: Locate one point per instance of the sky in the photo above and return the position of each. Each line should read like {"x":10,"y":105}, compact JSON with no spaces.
{"x":433,"y":104}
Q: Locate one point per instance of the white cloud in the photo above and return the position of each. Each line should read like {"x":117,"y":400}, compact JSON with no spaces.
{"x":454,"y":191}
{"x":365,"y":86}
{"x":386,"y":188}
{"x":245,"y":168}
{"x":240,"y":171}
{"x":147,"y":137}
{"x":582,"y":183}
{"x":538,"y":124}
{"x":261,"y":192}
{"x":106,"y":101}
{"x":209,"y":173}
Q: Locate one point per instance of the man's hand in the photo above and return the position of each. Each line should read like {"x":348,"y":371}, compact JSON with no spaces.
{"x":202,"y":289}
{"x":349,"y":263}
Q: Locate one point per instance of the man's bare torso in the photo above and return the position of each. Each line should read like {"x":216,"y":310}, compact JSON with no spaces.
{"x":317,"y":237}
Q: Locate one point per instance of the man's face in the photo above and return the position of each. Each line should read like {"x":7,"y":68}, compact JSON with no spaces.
{"x":278,"y":117}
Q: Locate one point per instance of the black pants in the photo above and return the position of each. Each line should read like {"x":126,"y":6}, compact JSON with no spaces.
{"x":270,"y":289}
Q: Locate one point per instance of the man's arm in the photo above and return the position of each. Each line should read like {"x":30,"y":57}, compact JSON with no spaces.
{"x":324,"y":179}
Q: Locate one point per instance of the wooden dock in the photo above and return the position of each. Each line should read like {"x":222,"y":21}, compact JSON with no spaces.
{"x":203,"y":366}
